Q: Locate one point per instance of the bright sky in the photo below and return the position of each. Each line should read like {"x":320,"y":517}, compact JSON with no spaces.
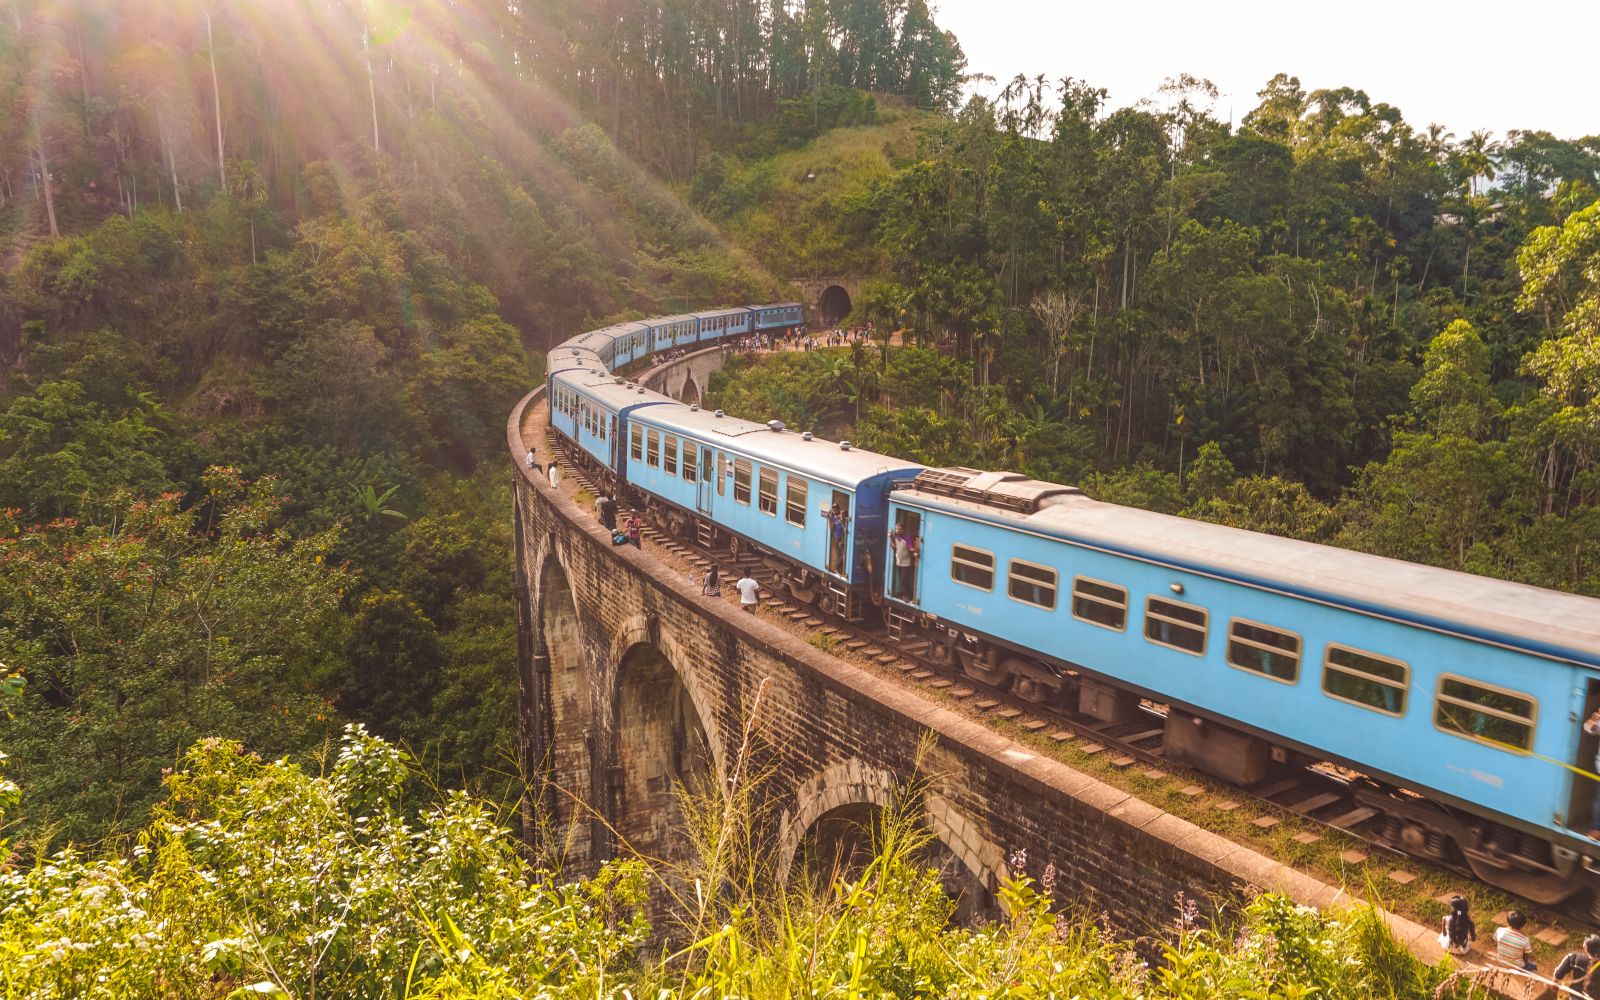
{"x":1468,"y":64}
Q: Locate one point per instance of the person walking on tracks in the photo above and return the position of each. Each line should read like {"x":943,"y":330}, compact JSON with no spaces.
{"x":749,"y":593}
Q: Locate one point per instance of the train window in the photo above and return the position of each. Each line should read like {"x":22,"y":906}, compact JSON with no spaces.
{"x":741,"y":480}
{"x":1178,"y":626}
{"x":636,"y":444}
{"x":1032,"y":584}
{"x":691,"y":456}
{"x":972,"y":567}
{"x":1487,"y":714}
{"x":767,"y":502}
{"x":669,"y":454}
{"x":1100,"y":603}
{"x":652,"y":453}
{"x":722,"y":473}
{"x":795,"y":507}
{"x":1365,"y":679}
{"x":1265,"y":650}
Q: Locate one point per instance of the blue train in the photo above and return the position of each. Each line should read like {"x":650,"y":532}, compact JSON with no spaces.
{"x":1460,"y":699}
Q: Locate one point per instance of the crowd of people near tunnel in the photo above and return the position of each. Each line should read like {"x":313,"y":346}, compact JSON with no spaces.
{"x":796,"y":339}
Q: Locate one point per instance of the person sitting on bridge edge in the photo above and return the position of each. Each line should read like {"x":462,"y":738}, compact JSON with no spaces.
{"x":749,"y":593}
{"x":605,"y":508}
{"x":533,"y":461}
{"x":1575,"y":965}
{"x":1512,"y":946}
{"x":1459,"y":930}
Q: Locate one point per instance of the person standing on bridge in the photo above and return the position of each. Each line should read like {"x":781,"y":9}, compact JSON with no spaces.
{"x":749,"y":593}
{"x":634,"y":527}
{"x":605,"y":508}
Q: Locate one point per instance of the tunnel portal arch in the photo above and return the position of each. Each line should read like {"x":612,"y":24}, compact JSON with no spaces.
{"x":834,"y":305}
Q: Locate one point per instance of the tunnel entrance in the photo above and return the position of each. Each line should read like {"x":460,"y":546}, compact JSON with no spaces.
{"x":834,"y":305}
{"x":569,"y":689}
{"x":661,"y":747}
{"x":843,"y":841}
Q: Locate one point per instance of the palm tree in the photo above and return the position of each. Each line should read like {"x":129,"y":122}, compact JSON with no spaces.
{"x":1477,"y":157}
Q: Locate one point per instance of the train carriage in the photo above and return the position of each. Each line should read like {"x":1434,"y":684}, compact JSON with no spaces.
{"x":720,"y":323}
{"x":779,"y":316}
{"x":1417,"y":676}
{"x":673,"y":331}
{"x":593,"y":411}
{"x":816,"y":507}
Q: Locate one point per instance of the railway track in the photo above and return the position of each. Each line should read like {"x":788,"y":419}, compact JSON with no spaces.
{"x":1322,"y":796}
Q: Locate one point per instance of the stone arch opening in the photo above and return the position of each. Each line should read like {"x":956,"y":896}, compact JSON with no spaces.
{"x":843,"y":841}
{"x":562,"y":640}
{"x":691,"y":391}
{"x":834,"y":305}
{"x":659,"y":748}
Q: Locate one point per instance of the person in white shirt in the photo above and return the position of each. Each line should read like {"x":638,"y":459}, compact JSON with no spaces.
{"x":749,"y":593}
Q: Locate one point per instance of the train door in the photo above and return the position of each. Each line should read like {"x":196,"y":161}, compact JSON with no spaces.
{"x":905,"y":555}
{"x":611,"y":443}
{"x":839,"y":534}
{"x":703,"y":487}
{"x":1581,"y":812}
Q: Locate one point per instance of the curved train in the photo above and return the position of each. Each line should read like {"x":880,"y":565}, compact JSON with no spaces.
{"x":1459,"y":699}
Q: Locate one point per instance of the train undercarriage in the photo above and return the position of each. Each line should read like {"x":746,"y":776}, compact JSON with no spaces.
{"x":1525,"y":862}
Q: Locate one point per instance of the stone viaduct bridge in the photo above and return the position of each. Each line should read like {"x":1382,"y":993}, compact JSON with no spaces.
{"x":631,"y":683}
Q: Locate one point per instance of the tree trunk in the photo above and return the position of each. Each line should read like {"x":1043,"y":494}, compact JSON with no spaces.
{"x":49,"y":192}
{"x":216,"y":99}
{"x":172,"y":160}
{"x":372,"y":86}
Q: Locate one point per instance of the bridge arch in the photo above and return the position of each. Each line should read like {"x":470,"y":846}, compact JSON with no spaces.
{"x":834,"y":304}
{"x":659,"y":743}
{"x":690,"y":393}
{"x":836,"y":809}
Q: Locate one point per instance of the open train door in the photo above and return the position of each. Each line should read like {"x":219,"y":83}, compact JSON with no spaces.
{"x":702,"y":492}
{"x":1580,"y":811}
{"x":905,"y":556}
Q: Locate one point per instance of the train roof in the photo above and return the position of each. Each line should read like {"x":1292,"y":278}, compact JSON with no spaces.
{"x":818,"y":459}
{"x":1551,"y":623}
{"x":661,"y":321}
{"x":779,"y":305}
{"x":716,"y":313}
{"x":604,"y":388}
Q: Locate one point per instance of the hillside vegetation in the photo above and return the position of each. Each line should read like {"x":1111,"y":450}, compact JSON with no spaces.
{"x":1323,"y":323}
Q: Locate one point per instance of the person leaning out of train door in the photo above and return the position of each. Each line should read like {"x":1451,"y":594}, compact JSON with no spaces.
{"x":905,"y":556}
{"x":1591,"y":725}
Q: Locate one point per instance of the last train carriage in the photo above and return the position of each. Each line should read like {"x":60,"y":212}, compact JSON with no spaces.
{"x":1271,"y":650}
{"x":1458,"y":699}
